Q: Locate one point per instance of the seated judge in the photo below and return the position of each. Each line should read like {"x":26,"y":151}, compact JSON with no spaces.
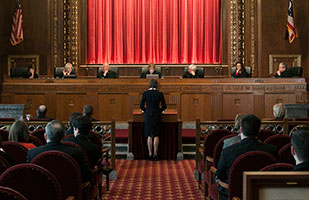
{"x":155,"y":105}
{"x":106,"y":73}
{"x":192,"y":72}
{"x":151,"y":70}
{"x":31,"y":74}
{"x":68,"y":70}
{"x":240,"y":71}
{"x":282,"y":71}
{"x":249,"y":130}
{"x":300,"y":149}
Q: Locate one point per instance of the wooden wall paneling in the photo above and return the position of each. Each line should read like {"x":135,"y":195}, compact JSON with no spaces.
{"x":174,"y":99}
{"x":237,"y":103}
{"x":92,"y":99}
{"x":69,"y":103}
{"x":31,"y":101}
{"x":113,"y":106}
{"x":195,"y":106}
{"x":133,"y":103}
{"x":216,"y":102}
{"x":259,"y":103}
{"x":272,"y":99}
{"x":50,"y":99}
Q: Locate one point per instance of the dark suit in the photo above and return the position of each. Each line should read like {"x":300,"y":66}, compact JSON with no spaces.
{"x":144,"y":74}
{"x":231,"y":153}
{"x":152,"y":98}
{"x":302,"y":167}
{"x":243,"y":74}
{"x":28,"y":74}
{"x":75,"y":153}
{"x":92,"y":150}
{"x":188,"y":75}
{"x":109,"y":74}
{"x":284,"y":74}
{"x":72,"y":75}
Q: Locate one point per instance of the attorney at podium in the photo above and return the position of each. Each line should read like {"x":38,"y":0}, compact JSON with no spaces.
{"x":152,"y":98}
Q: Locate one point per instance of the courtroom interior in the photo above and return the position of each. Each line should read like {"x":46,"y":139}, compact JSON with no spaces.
{"x":154,"y":99}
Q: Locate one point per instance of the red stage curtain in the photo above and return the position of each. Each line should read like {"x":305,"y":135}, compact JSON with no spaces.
{"x":154,"y":31}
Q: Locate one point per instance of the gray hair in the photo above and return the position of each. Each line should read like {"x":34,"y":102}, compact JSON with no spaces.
{"x":68,"y":65}
{"x":238,"y":119}
{"x":278,"y":110}
{"x":283,"y":64}
{"x":55,"y":131}
{"x":192,"y":67}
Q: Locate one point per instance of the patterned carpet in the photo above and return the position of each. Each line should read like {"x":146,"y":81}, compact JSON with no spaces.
{"x":140,"y":179}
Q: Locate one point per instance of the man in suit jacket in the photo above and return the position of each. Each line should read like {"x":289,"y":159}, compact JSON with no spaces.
{"x":106,"y":73}
{"x":250,"y":126}
{"x":152,"y":98}
{"x":82,"y":126}
{"x":300,"y":149}
{"x":151,"y":70}
{"x":55,"y":132}
{"x":192,"y":72}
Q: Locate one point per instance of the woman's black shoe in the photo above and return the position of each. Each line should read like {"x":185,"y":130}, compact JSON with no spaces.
{"x":151,"y":157}
{"x":155,"y":158}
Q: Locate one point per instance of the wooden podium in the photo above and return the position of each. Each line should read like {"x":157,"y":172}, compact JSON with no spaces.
{"x":170,"y":145}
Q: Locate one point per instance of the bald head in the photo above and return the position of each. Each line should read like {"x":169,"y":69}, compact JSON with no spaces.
{"x":41,"y":112}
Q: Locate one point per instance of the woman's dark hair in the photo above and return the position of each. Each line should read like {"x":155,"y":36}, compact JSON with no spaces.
{"x":242,"y":66}
{"x":19,"y":132}
{"x":153,"y":83}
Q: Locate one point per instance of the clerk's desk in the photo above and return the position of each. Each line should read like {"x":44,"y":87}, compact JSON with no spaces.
{"x":170,"y":144}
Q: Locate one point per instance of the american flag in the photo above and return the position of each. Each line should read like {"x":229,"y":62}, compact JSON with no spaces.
{"x":291,"y":28}
{"x":17,"y":34}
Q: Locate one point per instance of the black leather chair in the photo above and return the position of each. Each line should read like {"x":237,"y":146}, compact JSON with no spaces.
{"x":295,"y":71}
{"x":114,"y":69}
{"x":18,"y":72}
{"x":248,"y":70}
{"x":199,"y":70}
{"x":58,"y":73}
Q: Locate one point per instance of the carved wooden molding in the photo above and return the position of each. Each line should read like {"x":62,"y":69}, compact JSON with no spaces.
{"x":275,"y":59}
{"x":31,"y":59}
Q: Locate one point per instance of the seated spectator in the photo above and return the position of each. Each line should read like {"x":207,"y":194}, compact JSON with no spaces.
{"x":250,"y":126}
{"x":300,"y":149}
{"x":55,"y":132}
{"x":70,"y":130}
{"x":30,"y":74}
{"x":279,"y":111}
{"x":192,"y":72}
{"x":151,"y":70}
{"x":240,"y":71}
{"x":282,"y":71}
{"x":106,"y":73}
{"x":82,"y":126}
{"x":68,"y":70}
{"x":41,"y":112}
{"x":236,"y":139}
{"x":19,"y":133}
{"x":88,"y":111}
{"x":5,"y":155}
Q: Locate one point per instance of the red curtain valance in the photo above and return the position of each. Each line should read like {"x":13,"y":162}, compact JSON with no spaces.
{"x":154,"y":31}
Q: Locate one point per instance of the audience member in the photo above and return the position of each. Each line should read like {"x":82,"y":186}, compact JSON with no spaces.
{"x":236,"y":139}
{"x":19,"y":133}
{"x":250,"y":126}
{"x":55,"y":132}
{"x":240,"y":71}
{"x":300,"y":149}
{"x":41,"y":112}
{"x":151,"y":70}
{"x":82,"y":126}
{"x":192,"y":72}
{"x":282,"y":71}
{"x":30,"y":74}
{"x":88,"y":111}
{"x":279,"y":111}
{"x":106,"y":73}
{"x":74,"y":115}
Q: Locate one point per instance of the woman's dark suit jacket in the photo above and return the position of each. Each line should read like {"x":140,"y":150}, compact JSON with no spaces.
{"x":152,"y":98}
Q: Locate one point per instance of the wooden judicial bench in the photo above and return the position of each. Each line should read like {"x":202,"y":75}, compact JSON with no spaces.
{"x":170,"y":145}
{"x":205,"y":99}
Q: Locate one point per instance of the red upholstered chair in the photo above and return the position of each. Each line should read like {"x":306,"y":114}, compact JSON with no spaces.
{"x":285,"y":155}
{"x":17,"y":151}
{"x":250,"y":161}
{"x":40,"y":134}
{"x":278,"y":140}
{"x":264,"y":134}
{"x":278,"y":167}
{"x":4,"y":165}
{"x":35,"y":140}
{"x":207,"y":158}
{"x":33,"y":181}
{"x":212,"y":186}
{"x":72,"y":144}
{"x":65,"y":169}
{"x":10,"y":194}
{"x":4,"y":135}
